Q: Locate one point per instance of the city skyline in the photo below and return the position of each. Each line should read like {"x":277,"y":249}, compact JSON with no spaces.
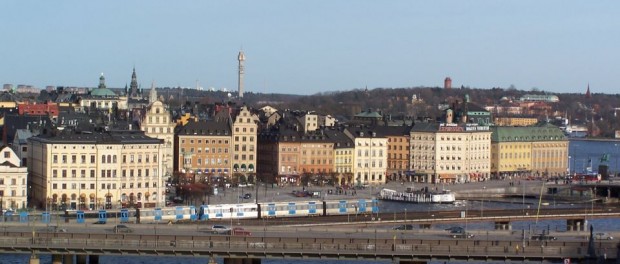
{"x":311,"y":47}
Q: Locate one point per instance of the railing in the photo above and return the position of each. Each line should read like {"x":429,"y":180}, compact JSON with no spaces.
{"x":257,"y":247}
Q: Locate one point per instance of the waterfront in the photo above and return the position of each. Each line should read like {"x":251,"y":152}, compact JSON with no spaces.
{"x":580,"y":152}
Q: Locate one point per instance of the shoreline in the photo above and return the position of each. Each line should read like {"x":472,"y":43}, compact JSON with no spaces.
{"x":595,"y":139}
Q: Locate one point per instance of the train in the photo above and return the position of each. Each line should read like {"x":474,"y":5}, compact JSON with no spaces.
{"x":236,"y":211}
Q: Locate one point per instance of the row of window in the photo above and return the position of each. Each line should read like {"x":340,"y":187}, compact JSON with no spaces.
{"x":104,"y":173}
{"x":206,"y":141}
{"x":13,"y":181}
{"x":106,"y":158}
{"x":206,"y":150}
{"x":104,"y":186}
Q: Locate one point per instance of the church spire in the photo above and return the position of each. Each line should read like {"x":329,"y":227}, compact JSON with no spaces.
{"x":133,"y":86}
{"x":588,"y":95}
{"x":153,"y":93}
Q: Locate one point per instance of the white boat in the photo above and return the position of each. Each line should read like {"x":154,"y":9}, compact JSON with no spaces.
{"x":443,"y":197}
{"x":417,"y":197}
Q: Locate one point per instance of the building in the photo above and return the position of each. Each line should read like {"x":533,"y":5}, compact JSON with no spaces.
{"x":450,"y":153}
{"x":157,"y":123}
{"x":244,"y":141}
{"x":397,"y":150}
{"x":103,"y":98}
{"x":541,"y":98}
{"x":369,"y":157}
{"x":540,"y":150}
{"x":343,"y":156}
{"x":204,"y":151}
{"x":515,"y":121}
{"x":96,"y":170}
{"x":13,"y":181}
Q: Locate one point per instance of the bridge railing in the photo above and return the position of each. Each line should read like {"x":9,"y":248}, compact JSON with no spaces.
{"x":133,"y":246}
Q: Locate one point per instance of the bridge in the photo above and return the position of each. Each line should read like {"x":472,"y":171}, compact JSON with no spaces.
{"x":341,"y":242}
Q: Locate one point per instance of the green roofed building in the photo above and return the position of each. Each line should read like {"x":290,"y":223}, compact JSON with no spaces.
{"x":536,"y":151}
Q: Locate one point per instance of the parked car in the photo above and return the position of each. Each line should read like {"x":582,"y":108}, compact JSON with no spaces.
{"x":463,"y":235}
{"x":122,"y":229}
{"x":455,"y":230}
{"x":220,"y":229}
{"x":403,"y":227}
{"x":247,"y":196}
{"x":54,"y":229}
{"x":239,"y":231}
{"x":543,"y":237}
{"x":603,"y":236}
{"x":100,"y":222}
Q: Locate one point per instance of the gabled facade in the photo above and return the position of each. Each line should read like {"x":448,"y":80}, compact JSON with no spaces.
{"x":13,"y":181}
{"x":157,"y":123}
{"x":244,"y":142}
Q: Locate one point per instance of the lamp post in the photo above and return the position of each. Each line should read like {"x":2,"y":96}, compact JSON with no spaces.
{"x":482,"y":202}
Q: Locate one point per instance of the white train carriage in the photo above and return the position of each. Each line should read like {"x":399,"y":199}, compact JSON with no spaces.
{"x":227,"y":211}
{"x":291,"y":209}
{"x":361,"y":206}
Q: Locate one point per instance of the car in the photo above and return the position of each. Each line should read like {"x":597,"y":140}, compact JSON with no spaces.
{"x":220,"y":229}
{"x":54,"y":229}
{"x":247,"y":196}
{"x":100,"y":222}
{"x":455,"y":230}
{"x":122,"y":229}
{"x":239,"y":231}
{"x":403,"y":227}
{"x":543,"y":237}
{"x":463,"y":235}
{"x":603,"y":236}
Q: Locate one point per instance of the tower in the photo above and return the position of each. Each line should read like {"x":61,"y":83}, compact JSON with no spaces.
{"x":447,"y":83}
{"x":588,"y":94}
{"x":241,"y":59}
{"x":133,"y":86}
{"x":152,"y":94}
{"x":101,"y":81}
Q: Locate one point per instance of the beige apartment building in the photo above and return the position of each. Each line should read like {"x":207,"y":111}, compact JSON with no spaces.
{"x":96,"y":170}
{"x":450,"y":153}
{"x":244,"y":140}
{"x":369,"y":157}
{"x":157,"y":123}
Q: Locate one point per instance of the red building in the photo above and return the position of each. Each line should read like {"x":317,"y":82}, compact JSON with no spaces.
{"x":46,"y":109}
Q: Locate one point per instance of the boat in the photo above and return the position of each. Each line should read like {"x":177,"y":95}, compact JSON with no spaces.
{"x":417,"y":196}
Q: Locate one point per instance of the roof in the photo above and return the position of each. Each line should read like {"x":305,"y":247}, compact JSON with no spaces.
{"x":425,"y":127}
{"x":540,"y":132}
{"x":110,"y":137}
{"x":205,"y":128}
{"x":102,"y":92}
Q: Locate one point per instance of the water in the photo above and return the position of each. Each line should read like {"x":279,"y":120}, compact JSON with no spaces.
{"x":580,"y":152}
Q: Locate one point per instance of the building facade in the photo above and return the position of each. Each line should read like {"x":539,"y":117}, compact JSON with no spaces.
{"x":13,"y":181}
{"x":96,"y":170}
{"x":157,"y":123}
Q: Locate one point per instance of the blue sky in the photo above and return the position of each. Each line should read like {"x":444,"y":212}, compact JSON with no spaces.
{"x":306,"y":47}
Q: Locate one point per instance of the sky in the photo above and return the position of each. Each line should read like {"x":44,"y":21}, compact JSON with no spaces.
{"x":308,"y":47}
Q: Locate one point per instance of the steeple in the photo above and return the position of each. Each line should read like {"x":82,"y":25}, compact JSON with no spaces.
{"x":101,"y":81}
{"x":153,"y":93}
{"x":241,"y":59}
{"x":133,"y":86}
{"x":588,"y":95}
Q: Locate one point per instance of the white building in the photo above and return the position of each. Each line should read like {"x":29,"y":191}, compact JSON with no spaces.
{"x":13,"y":181}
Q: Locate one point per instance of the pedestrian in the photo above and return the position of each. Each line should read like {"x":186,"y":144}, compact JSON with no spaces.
{"x":517,"y":249}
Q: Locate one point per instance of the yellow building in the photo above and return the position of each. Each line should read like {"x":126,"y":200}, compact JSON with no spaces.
{"x":540,"y":150}
{"x":515,"y":121}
